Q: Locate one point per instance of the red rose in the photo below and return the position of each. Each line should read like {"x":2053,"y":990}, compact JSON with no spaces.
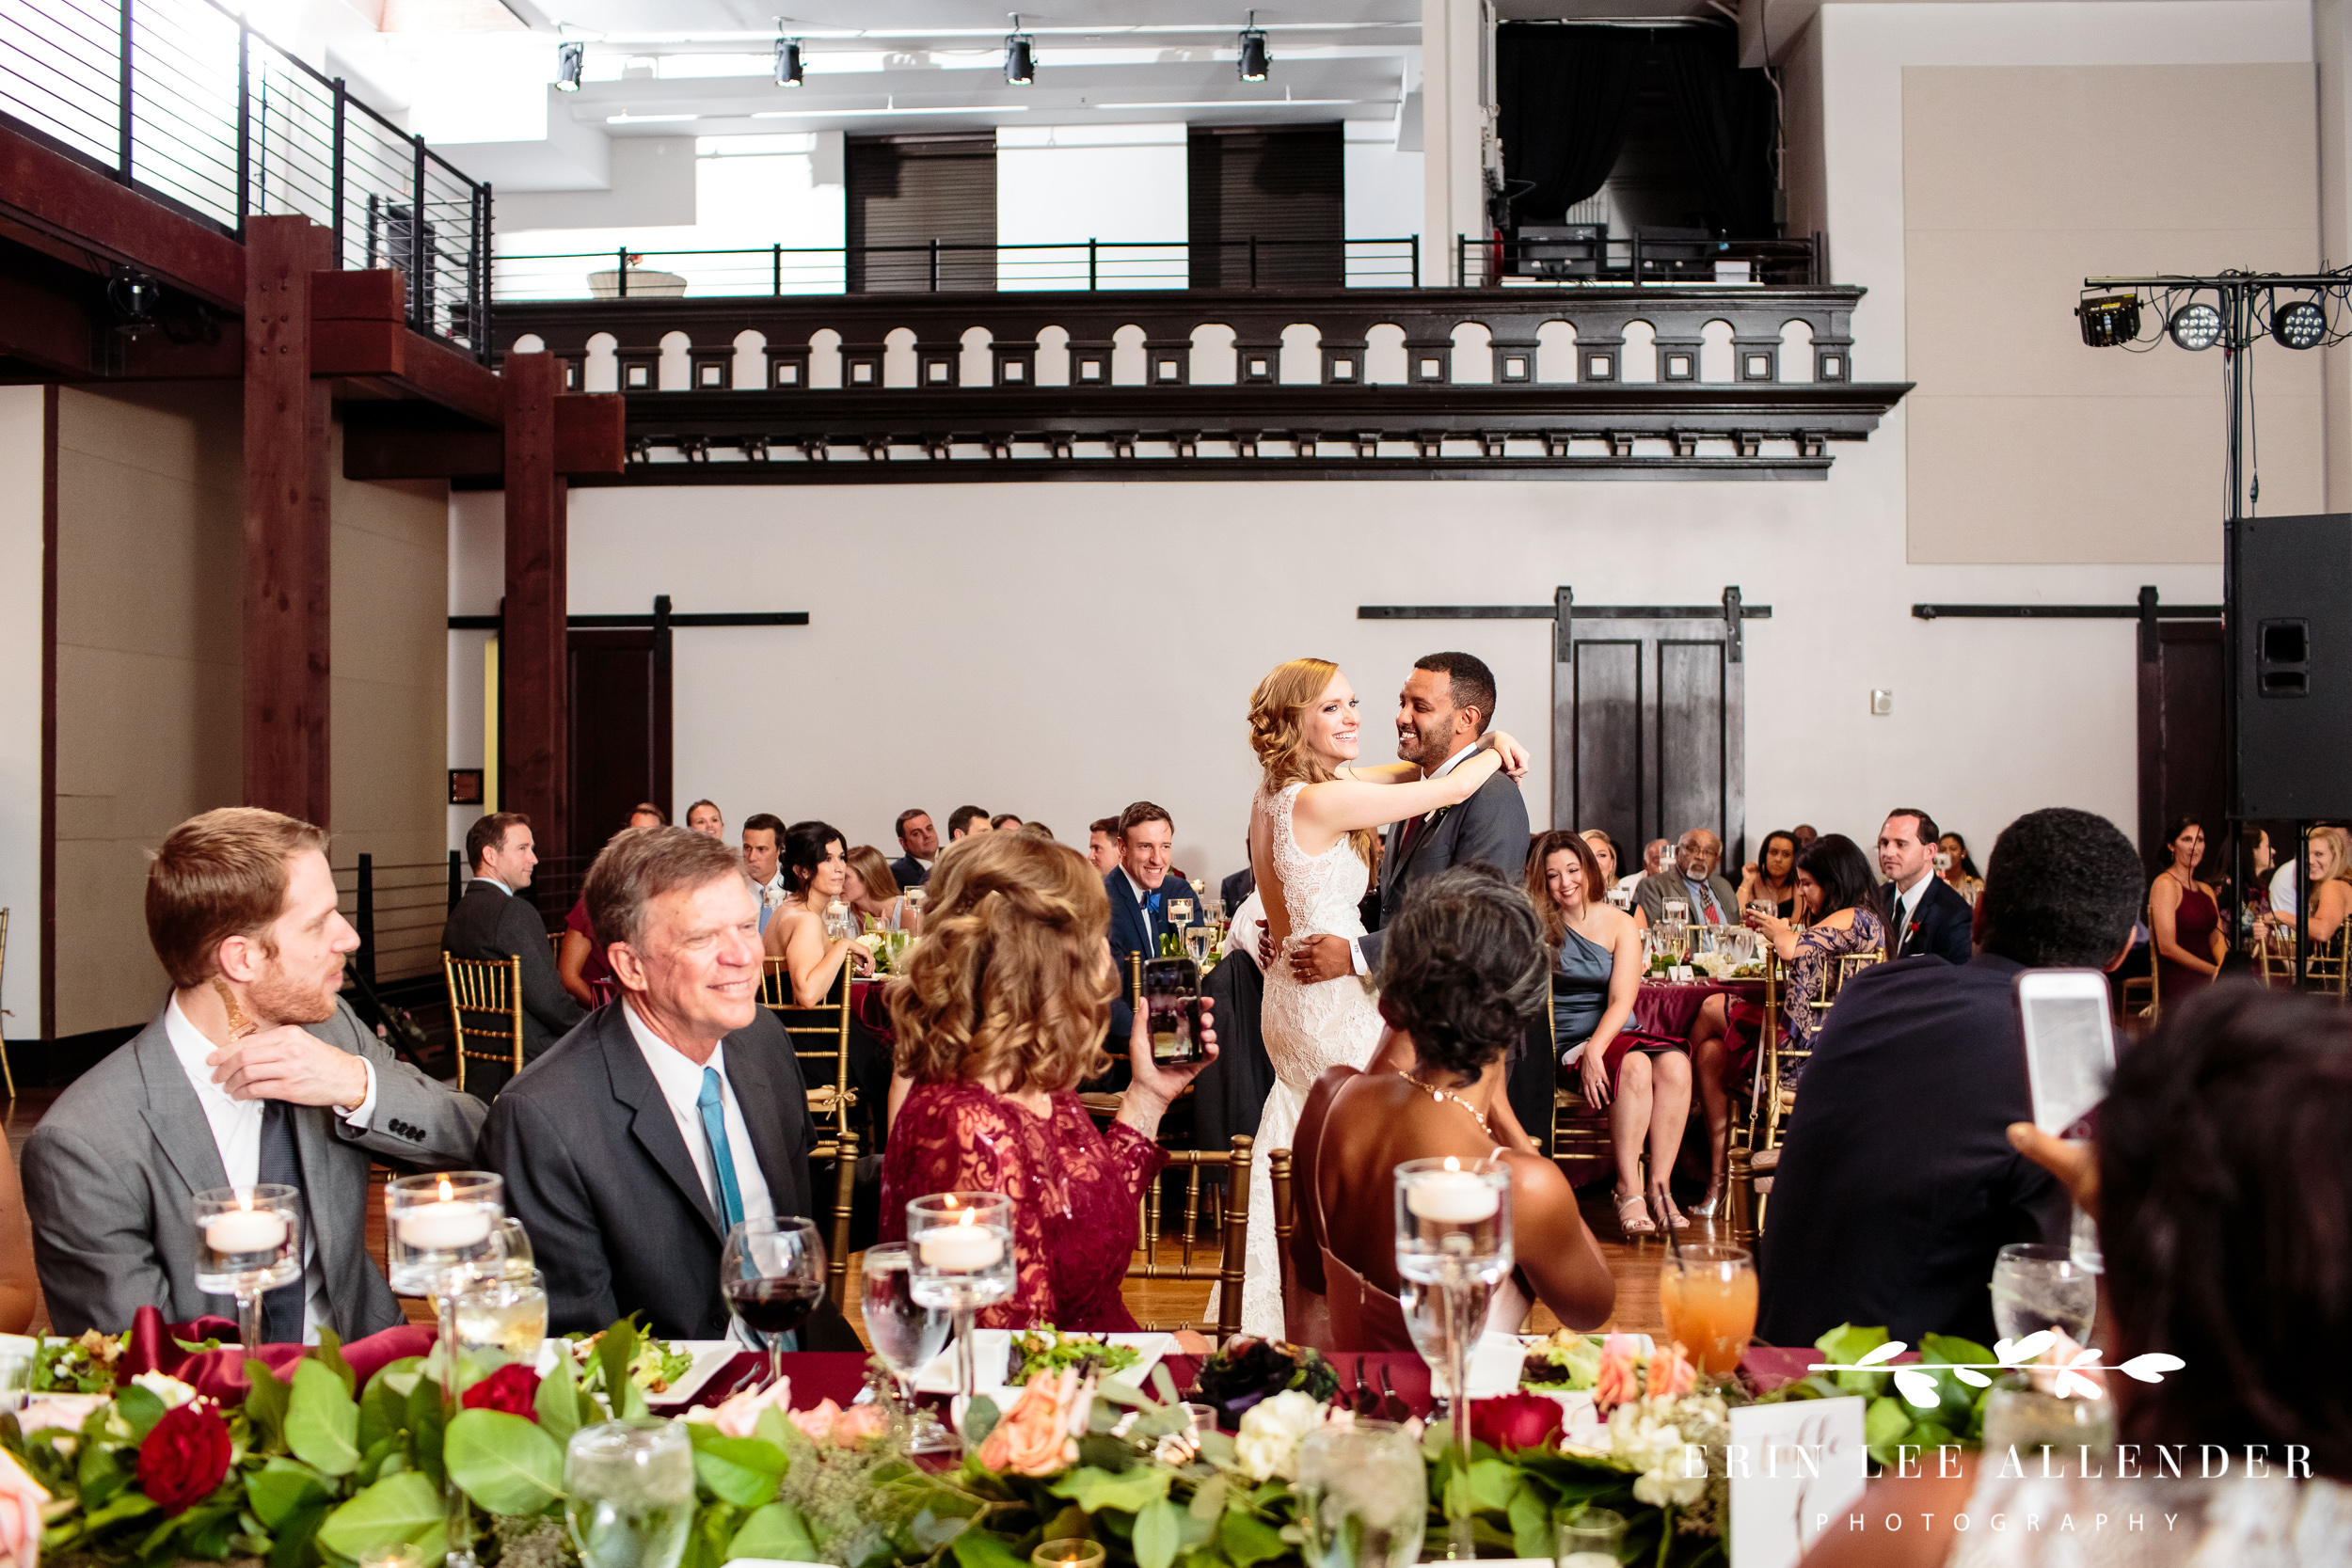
{"x":184,"y":1456}
{"x":513,"y":1389}
{"x":1516,"y":1421}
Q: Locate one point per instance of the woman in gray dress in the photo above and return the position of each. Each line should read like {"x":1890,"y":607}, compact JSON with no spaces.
{"x":1597,"y":969}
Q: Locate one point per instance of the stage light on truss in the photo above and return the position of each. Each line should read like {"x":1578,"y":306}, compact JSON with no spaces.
{"x":789,"y":62}
{"x":1255,"y":60}
{"x":2109,"y":321}
{"x":2195,"y":326}
{"x":569,"y":58}
{"x":2298,"y":323}
{"x":1020,"y":55}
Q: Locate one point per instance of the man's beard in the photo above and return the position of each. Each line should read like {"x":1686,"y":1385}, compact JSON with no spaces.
{"x":282,"y":1000}
{"x":1425,"y":747}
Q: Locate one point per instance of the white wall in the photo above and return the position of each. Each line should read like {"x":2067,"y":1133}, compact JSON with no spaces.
{"x":1064,"y":185}
{"x":20,"y":708}
{"x":477,"y":582}
{"x":1384,"y":198}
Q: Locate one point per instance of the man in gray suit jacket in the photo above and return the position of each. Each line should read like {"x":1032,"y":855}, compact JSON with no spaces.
{"x":1691,"y":878}
{"x":255,"y":1070}
{"x":494,"y":920}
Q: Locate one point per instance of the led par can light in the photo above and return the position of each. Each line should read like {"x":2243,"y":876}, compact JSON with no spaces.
{"x":2299,"y":323}
{"x":2195,"y":326}
{"x":2109,"y":321}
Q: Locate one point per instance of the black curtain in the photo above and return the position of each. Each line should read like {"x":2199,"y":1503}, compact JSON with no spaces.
{"x":1726,"y":118}
{"x":1563,"y":93}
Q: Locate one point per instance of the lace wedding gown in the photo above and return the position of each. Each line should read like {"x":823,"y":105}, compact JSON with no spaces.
{"x":1307,"y":1029}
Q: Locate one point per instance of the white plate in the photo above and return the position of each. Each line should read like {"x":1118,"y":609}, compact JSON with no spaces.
{"x":992,"y":1347}
{"x":709,"y":1355}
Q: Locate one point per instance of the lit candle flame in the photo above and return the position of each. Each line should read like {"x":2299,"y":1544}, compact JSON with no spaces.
{"x":967,"y":1216}
{"x":445,"y":1189}
{"x":245,"y":1201}
{"x":1450,"y":1163}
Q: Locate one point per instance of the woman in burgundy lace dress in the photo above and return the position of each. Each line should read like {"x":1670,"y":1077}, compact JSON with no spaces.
{"x":999,"y":1020}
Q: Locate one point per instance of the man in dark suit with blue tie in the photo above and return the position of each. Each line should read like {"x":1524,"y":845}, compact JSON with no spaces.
{"x":1140,"y":889}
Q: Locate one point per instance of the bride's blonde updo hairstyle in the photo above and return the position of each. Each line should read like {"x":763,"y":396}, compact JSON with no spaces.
{"x":1278,"y":731}
{"x":1010,"y":976}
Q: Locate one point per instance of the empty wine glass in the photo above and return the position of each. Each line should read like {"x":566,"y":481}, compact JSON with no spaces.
{"x":2036,"y":1286}
{"x":772,"y":1272}
{"x":906,"y":1334}
{"x":1363,"y":1492}
{"x":630,"y":1492}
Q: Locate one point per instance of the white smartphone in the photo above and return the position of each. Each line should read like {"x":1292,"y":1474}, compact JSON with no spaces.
{"x":2069,"y":1043}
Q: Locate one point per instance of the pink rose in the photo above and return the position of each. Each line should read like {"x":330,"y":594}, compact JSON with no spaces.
{"x":816,"y":1424}
{"x":737,"y":1415}
{"x":21,"y":1498}
{"x":1034,"y":1439}
{"x":1671,"y":1375}
{"x":859,"y":1423}
{"x":1615,"y":1384}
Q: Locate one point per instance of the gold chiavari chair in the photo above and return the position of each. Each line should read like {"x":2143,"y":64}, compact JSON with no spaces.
{"x":1228,"y":1213}
{"x":819,"y":1037}
{"x":1577,"y":1131}
{"x":491,"y":992}
{"x":2324,"y":964}
{"x":1748,"y":1174}
{"x":2142,"y":995}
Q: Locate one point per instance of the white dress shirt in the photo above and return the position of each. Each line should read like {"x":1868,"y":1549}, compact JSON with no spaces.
{"x":236,"y":1126}
{"x":1906,"y":906}
{"x":1355,"y":948}
{"x":771,"y":899}
{"x":681,"y":1083}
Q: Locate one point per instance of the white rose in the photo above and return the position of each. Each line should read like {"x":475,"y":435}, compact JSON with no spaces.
{"x":1267,"y":1444}
{"x":1661,"y":1488}
{"x":165,"y":1387}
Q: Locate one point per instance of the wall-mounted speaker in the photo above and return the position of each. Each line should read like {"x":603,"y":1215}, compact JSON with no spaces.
{"x":2293,"y":640}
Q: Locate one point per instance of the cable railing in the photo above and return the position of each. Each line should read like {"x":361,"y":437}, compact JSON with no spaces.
{"x":183,"y":102}
{"x":938,"y":266}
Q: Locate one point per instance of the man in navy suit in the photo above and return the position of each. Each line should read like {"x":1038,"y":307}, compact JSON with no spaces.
{"x":919,"y":838}
{"x":1139,"y":888}
{"x":1923,"y":913}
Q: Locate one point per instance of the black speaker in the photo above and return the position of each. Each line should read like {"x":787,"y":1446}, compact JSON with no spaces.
{"x":2292,"y":638}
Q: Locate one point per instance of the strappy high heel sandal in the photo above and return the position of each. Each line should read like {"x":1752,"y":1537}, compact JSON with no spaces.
{"x":1633,"y":1217}
{"x":1712,"y":1204}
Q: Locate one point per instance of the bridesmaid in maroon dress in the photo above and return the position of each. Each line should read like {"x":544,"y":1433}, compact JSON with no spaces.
{"x":2185,"y":918}
{"x":998,"y":1020}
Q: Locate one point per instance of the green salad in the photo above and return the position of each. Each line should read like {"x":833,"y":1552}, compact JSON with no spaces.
{"x":82,"y":1366}
{"x":657,"y":1367}
{"x":1049,"y":1350}
{"x":1563,"y":1361}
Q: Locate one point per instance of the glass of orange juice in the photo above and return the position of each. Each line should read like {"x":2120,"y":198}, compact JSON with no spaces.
{"x":1708,"y":1294}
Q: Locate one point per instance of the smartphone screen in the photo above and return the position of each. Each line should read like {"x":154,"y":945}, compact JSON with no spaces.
{"x":2069,"y":1043}
{"x":1171,"y":998}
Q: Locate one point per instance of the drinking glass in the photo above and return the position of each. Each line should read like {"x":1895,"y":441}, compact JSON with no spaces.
{"x":2036,"y":1286}
{"x":1363,"y":1497}
{"x":907,"y":1335}
{"x":772,"y":1273}
{"x":837,"y":924}
{"x":1708,"y":1292}
{"x":16,"y":1371}
{"x":1197,"y":941}
{"x":514,"y":1244}
{"x":1453,"y":1234}
{"x":501,"y":1321}
{"x":959,"y":1258}
{"x":1587,"y":1537}
{"x":630,"y":1492}
{"x":2046,"y":1428}
{"x":248,"y":1242}
{"x":1180,"y":912}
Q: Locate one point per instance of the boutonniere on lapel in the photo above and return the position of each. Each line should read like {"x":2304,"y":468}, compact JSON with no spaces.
{"x":1437,"y":817}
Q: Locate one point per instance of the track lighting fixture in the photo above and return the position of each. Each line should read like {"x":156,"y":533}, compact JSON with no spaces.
{"x":787,"y":62}
{"x":569,"y":58}
{"x":1254,"y":57}
{"x":1020,"y":55}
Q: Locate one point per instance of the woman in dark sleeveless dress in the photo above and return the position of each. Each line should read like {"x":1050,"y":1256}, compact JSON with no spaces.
{"x":2185,"y":917}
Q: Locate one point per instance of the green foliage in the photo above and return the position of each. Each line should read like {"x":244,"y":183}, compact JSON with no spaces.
{"x":504,"y":1463}
{"x":323,"y":1419}
{"x":739,"y":1470}
{"x":776,"y":1531}
{"x":401,"y":1507}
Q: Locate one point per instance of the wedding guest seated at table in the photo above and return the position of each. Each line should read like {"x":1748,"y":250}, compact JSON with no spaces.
{"x":1604,"y":850}
{"x":1657,"y":857}
{"x":704,"y":817}
{"x":1102,"y":844}
{"x":495,"y":921}
{"x":1004,"y":822}
{"x":1896,"y":1185}
{"x":870,"y":890}
{"x":1693,"y":880}
{"x":1959,"y":868}
{"x":2185,"y":917}
{"x":1463,"y":973}
{"x":999,"y":1020}
{"x":1595,"y":971}
{"x":1834,"y":891}
{"x":1804,"y":833}
{"x":918,"y":841}
{"x":1772,"y":877}
{"x":630,"y":1148}
{"x":2222,"y":1196}
{"x":817,"y":867}
{"x":581,"y":964}
{"x":254,"y":1070}
{"x":1922,"y":913}
{"x":2328,"y":880}
{"x":763,"y":861}
{"x":967,"y":822}
{"x":1038,"y":829}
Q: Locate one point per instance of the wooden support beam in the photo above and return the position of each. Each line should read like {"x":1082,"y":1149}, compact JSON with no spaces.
{"x":380,"y":444}
{"x":48,"y":190}
{"x":533,"y":656}
{"x":287,"y":440}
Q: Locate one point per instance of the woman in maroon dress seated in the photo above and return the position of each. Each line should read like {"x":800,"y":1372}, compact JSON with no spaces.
{"x":2185,"y":917}
{"x":999,"y":1020}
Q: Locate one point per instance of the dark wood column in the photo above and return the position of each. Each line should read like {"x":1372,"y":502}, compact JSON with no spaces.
{"x":287,"y":439}
{"x":533,"y":658}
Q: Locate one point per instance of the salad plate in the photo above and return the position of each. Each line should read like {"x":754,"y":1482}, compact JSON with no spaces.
{"x":992,"y":1350}
{"x":669,"y":1372}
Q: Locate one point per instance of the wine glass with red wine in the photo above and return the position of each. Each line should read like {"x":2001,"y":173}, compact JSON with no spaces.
{"x":772,"y":1274}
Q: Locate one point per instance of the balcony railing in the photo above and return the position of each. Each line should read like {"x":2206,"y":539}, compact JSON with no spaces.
{"x":1588,"y":253}
{"x":937,"y":266}
{"x":183,"y":102}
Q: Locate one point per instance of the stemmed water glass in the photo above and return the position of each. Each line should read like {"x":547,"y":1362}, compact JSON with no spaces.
{"x":1363,"y":1495}
{"x":2036,"y":1286}
{"x":772,"y":1273}
{"x":441,"y":1232}
{"x":960,"y":1258}
{"x":1454,"y":1233}
{"x":629,"y":1492}
{"x":248,"y":1242}
{"x":906,"y":1334}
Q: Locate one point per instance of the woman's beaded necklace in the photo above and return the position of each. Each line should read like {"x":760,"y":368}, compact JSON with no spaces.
{"x":1435,"y":1093}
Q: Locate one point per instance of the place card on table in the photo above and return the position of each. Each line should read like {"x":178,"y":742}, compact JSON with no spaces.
{"x":1795,"y":1470}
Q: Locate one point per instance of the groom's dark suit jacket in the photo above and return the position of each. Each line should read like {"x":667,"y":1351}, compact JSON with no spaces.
{"x":1490,"y":829}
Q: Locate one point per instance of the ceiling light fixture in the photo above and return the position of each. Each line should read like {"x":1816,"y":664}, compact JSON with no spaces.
{"x":2195,"y":326}
{"x":789,"y":69}
{"x":569,"y":58}
{"x":2299,"y":323}
{"x":1020,"y":55}
{"x":1254,"y":59}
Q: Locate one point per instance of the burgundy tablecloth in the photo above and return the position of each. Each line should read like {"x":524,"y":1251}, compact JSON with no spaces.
{"x":154,"y":1347}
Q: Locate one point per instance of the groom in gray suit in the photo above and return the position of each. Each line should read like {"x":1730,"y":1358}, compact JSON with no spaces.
{"x":1447,"y":704}
{"x":254,"y":1071}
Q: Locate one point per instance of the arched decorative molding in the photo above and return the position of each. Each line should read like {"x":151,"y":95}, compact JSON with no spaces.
{"x":1555,"y":352}
{"x":749,"y":372}
{"x":603,"y":370}
{"x":898,"y":360}
{"x":676,"y":364}
{"x":1053,"y":356}
{"x":1637,"y":363}
{"x":1301,"y":360}
{"x":1717,"y":363}
{"x":1213,"y":362}
{"x":1384,"y":355}
{"x":1127,"y":356}
{"x":1473,"y":355}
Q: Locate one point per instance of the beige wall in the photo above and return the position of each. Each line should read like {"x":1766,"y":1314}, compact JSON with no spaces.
{"x":149,"y":619}
{"x":2019,"y":181}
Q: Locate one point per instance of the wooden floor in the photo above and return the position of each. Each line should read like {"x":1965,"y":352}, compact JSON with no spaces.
{"x":1633,"y":1264}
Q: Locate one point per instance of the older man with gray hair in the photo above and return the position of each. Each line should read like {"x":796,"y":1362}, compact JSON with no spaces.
{"x":638,"y":1140}
{"x":1693,"y":880}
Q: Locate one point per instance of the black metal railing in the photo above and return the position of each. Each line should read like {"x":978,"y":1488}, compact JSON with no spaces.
{"x":1588,"y":253}
{"x":941,"y":265}
{"x":183,"y":102}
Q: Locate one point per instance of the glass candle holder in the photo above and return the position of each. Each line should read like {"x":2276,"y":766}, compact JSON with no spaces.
{"x":438,"y":1225}
{"x":248,"y":1242}
{"x":1587,"y":1537}
{"x":959,"y":1258}
{"x":1363,"y":1492}
{"x":1073,"y":1551}
{"x":1452,"y":1247}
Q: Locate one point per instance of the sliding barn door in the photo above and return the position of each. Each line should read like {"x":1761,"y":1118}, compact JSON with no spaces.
{"x":1649,"y":726}
{"x":620,"y":724}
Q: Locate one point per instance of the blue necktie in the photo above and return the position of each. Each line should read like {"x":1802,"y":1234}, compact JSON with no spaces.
{"x":721,"y":1158}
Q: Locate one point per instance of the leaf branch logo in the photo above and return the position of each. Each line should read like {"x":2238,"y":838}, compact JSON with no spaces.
{"x":2075,"y":1368}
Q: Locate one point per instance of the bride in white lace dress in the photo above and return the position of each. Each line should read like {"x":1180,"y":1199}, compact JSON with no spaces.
{"x":1310,"y":837}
